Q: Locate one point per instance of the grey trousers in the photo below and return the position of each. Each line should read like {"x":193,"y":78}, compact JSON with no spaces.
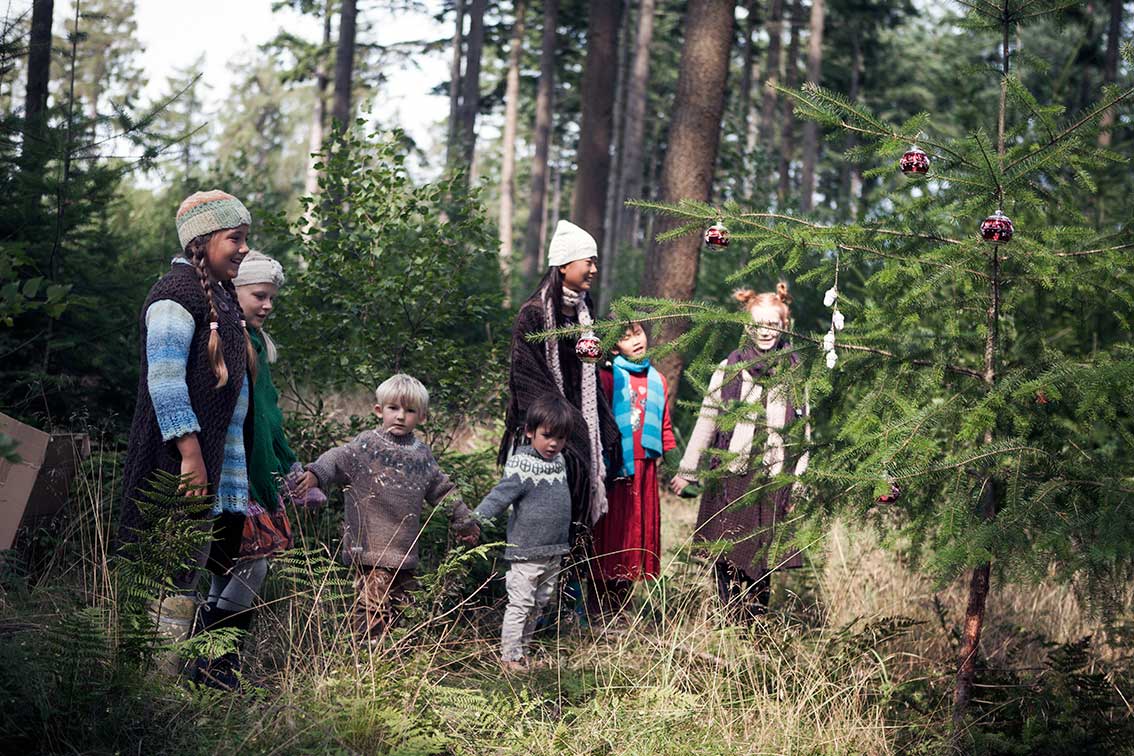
{"x":530,"y":585}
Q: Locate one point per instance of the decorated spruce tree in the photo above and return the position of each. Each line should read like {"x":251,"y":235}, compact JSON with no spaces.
{"x":973,"y":385}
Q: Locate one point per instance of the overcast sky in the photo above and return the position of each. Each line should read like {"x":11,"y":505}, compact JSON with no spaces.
{"x":175,"y":33}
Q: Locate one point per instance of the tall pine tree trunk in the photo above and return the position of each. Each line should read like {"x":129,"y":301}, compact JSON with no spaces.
{"x":1110,"y":67}
{"x":470,"y":82}
{"x":749,"y":74}
{"x":775,"y":27}
{"x":508,"y":167}
{"x":851,"y":180}
{"x":455,"y":85}
{"x":597,"y":123}
{"x":787,"y":126}
{"x":533,"y":235}
{"x":612,"y":216}
{"x":34,"y":149}
{"x":344,"y":65}
{"x":979,"y":581}
{"x":687,"y":173}
{"x":811,"y":128}
{"x":319,"y":114}
{"x":634,"y":129}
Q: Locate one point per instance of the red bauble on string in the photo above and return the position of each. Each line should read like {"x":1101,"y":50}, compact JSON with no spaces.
{"x":588,"y":349}
{"x":915,"y":163}
{"x":997,"y":228}
{"x":890,"y":498}
{"x":717,"y":235}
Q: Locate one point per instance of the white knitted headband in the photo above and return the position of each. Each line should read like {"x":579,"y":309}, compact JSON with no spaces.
{"x":259,"y":268}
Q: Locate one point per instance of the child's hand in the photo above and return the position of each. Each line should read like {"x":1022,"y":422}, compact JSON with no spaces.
{"x":469,"y":534}
{"x":678,"y":484}
{"x":305,"y":483}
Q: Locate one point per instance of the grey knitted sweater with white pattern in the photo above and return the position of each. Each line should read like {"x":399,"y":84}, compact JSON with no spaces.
{"x":536,"y":489}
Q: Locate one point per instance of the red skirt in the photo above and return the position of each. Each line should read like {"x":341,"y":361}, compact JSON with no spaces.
{"x":628,"y":537}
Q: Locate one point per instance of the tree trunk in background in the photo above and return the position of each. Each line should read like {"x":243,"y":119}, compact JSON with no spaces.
{"x":470,"y":82}
{"x":811,"y":128}
{"x":344,"y":65}
{"x":772,"y":71}
{"x":597,"y":122}
{"x":608,"y":252}
{"x":508,"y":167}
{"x":33,"y":150}
{"x":787,"y":124}
{"x":538,"y":193}
{"x":319,"y":116}
{"x":749,"y":73}
{"x":455,"y":85}
{"x":634,"y":130}
{"x":1110,"y":67}
{"x":851,"y":173}
{"x":694,"y":138}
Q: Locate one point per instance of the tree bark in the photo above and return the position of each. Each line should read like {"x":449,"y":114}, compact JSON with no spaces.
{"x":470,"y":82}
{"x":634,"y":130}
{"x":35,"y":95}
{"x":811,"y":128}
{"x":608,"y":252}
{"x":750,"y":73}
{"x":1110,"y":68}
{"x":772,"y":70}
{"x":508,"y":167}
{"x":319,"y":116}
{"x":597,"y":122}
{"x":538,"y":192}
{"x":344,"y":65}
{"x":851,"y":173}
{"x":455,"y":85}
{"x":787,"y":126}
{"x":687,"y":173}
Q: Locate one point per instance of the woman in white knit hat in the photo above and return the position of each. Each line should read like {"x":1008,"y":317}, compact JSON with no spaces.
{"x":554,"y":367}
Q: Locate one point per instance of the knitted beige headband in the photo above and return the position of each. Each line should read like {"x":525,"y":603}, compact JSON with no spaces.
{"x":259,"y":268}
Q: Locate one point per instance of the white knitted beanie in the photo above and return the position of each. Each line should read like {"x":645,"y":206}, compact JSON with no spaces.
{"x":259,"y":268}
{"x":570,"y":243}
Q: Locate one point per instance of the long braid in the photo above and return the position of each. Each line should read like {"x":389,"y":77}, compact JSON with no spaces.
{"x":250,"y":350}
{"x":196,"y":252}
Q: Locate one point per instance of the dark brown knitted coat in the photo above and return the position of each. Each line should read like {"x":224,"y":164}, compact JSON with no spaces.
{"x":732,"y":510}
{"x":212,"y":406}
{"x":529,"y":377}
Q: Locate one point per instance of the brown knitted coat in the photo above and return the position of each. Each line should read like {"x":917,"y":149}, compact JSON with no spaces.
{"x":530,"y":377}
{"x":213,"y":406}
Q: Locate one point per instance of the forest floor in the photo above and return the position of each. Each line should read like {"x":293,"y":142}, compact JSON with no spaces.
{"x":856,"y":657}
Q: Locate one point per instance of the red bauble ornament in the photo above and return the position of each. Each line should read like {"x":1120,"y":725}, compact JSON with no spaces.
{"x":717,"y":235}
{"x":588,"y":349}
{"x":915,"y":162}
{"x":890,"y":498}
{"x":997,"y":228}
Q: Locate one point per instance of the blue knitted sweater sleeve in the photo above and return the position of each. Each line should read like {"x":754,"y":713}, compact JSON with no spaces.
{"x":169,"y":332}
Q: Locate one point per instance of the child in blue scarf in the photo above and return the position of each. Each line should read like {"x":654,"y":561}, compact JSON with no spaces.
{"x":628,"y":537}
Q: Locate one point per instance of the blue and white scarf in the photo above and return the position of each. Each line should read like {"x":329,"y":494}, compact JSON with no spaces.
{"x":624,"y":406}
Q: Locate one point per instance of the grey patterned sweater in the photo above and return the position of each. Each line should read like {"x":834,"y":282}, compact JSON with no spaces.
{"x":536,"y":489}
{"x":386,"y":480}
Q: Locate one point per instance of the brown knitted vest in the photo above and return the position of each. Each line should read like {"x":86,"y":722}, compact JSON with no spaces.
{"x":213,"y":406}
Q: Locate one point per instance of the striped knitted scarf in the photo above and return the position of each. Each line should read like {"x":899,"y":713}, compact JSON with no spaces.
{"x":624,"y":404}
{"x":589,"y":393}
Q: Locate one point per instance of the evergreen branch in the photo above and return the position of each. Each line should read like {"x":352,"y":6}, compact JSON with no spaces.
{"x":919,"y":261}
{"x":1094,"y":113}
{"x":884,"y":353}
{"x":1100,"y":250}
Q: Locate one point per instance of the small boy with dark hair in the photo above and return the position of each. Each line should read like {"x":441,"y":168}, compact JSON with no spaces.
{"x":534,"y":485}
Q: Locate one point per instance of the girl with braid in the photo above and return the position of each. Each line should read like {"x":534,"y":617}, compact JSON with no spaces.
{"x":192,"y":416}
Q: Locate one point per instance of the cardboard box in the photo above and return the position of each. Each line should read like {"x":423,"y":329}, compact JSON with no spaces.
{"x":65,"y":452}
{"x":18,"y":480}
